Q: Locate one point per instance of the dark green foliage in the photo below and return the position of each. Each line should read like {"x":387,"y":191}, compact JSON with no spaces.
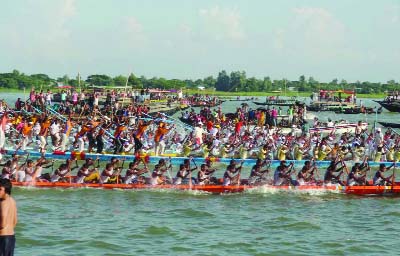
{"x":236,"y":81}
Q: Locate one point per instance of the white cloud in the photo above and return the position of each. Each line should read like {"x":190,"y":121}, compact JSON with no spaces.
{"x":279,"y":39}
{"x":133,"y":32}
{"x":133,"y":25}
{"x":319,"y":25}
{"x":394,"y":13}
{"x":312,"y":33}
{"x":223,"y":23}
{"x":60,"y":17}
{"x":186,"y":29}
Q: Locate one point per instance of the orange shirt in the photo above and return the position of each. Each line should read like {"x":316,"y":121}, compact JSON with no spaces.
{"x":44,"y":127}
{"x":140,"y":130}
{"x":26,"y":130}
{"x":159,"y":133}
{"x":119,"y":130}
{"x":83,"y":131}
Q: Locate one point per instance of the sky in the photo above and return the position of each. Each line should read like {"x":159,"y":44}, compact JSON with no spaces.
{"x":191,"y":39}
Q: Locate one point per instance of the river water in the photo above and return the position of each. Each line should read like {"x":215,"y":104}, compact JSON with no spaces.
{"x":159,"y":222}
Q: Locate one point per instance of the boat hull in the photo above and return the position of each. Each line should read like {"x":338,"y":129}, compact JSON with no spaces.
{"x":391,"y":125}
{"x":393,"y":106}
{"x":220,"y":189}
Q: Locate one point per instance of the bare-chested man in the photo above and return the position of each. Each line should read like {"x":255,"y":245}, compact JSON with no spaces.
{"x":8,"y":218}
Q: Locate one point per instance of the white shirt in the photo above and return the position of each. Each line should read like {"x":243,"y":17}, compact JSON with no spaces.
{"x":54,"y":129}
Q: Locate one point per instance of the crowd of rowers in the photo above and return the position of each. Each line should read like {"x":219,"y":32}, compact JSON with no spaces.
{"x":129,"y":129}
{"x":138,"y":172}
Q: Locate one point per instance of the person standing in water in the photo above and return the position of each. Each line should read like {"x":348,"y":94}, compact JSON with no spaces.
{"x":8,"y":219}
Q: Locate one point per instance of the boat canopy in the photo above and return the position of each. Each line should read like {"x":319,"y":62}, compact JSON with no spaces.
{"x":337,"y":91}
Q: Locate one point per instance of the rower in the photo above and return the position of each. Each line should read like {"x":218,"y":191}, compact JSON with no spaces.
{"x":133,"y":174}
{"x":355,"y":177}
{"x":82,"y":174}
{"x":209,"y":172}
{"x":330,"y":177}
{"x":282,"y":175}
{"x":29,"y":170}
{"x":6,"y":172}
{"x":182,"y":174}
{"x":306,"y":174}
{"x":380,"y":179}
{"x":60,"y":173}
{"x":232,"y":174}
{"x":203,"y":176}
{"x":157,"y":177}
{"x":107,"y":173}
{"x":256,"y":174}
{"x":229,"y":175}
{"x":94,"y":174}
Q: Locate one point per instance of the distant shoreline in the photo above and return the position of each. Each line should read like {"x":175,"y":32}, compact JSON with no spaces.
{"x":229,"y":94}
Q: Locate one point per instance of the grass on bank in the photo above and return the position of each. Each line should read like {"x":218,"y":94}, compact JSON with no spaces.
{"x":287,"y":94}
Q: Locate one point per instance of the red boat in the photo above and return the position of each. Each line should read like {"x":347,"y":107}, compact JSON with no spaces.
{"x":220,"y":189}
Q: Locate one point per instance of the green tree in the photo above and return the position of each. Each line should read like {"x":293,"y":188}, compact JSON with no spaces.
{"x":134,"y":82}
{"x":238,"y":81}
{"x":99,"y":80}
{"x":223,"y":81}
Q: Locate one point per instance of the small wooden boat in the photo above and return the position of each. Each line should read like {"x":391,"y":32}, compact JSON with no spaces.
{"x":339,"y":128}
{"x":361,"y":110}
{"x":330,"y":106}
{"x":391,"y":105}
{"x":220,"y":189}
{"x":391,"y":125}
{"x":279,"y":102}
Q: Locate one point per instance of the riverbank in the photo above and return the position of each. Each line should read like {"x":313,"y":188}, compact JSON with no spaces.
{"x":283,"y":94}
{"x":231,"y":94}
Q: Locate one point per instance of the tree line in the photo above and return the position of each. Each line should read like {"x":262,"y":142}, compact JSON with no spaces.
{"x":236,"y":81}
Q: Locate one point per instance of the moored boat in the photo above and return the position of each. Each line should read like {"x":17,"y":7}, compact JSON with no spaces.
{"x":330,"y":106}
{"x":391,"y":125}
{"x":278,"y":102}
{"x":391,"y":105}
{"x":361,"y":110}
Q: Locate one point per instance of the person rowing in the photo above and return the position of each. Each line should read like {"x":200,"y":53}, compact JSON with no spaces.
{"x":232,"y":174}
{"x":183,"y":174}
{"x":282,"y":174}
{"x":107,"y":173}
{"x":306,"y":174}
{"x":60,"y":173}
{"x":82,"y":174}
{"x":256,"y":174}
{"x":358,"y":174}
{"x":379,"y":179}
{"x":134,"y":174}
{"x":204,"y":176}
{"x":330,"y":177}
{"x":6,"y":172}
{"x":157,"y":176}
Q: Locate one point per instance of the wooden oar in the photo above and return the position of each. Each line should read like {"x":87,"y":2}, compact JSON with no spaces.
{"x":393,"y":176}
{"x":120,"y":170}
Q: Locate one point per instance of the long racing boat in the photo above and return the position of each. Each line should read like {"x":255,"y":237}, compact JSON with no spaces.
{"x":220,"y":189}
